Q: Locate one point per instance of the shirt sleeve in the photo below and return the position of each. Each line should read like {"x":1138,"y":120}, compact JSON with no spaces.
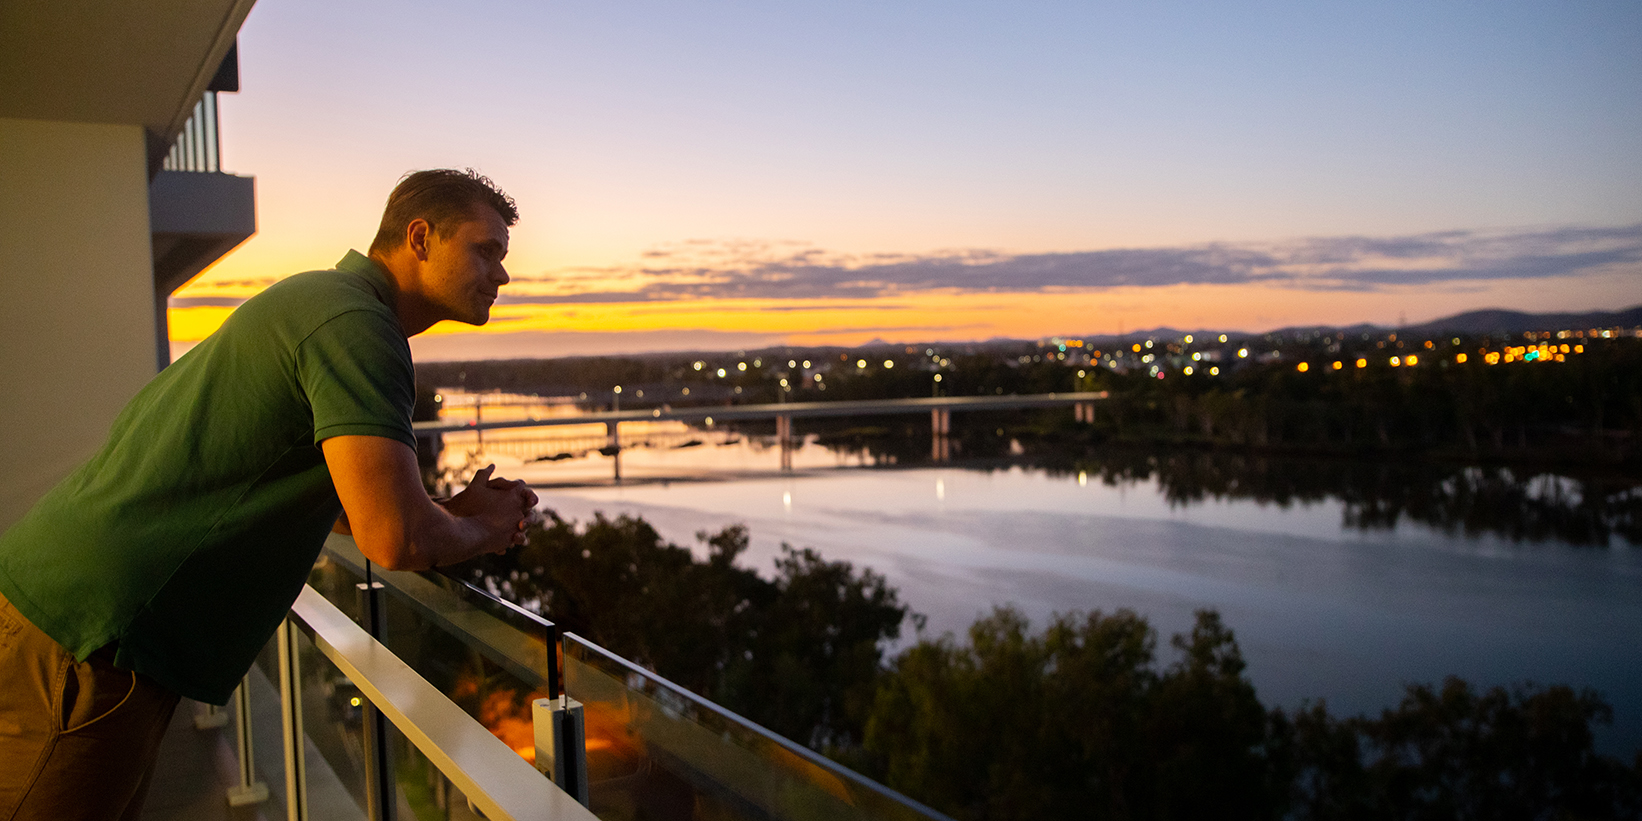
{"x":356,"y":371}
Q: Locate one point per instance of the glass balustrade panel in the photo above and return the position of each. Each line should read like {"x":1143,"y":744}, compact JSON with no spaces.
{"x":655,"y":750}
{"x":487,"y":656}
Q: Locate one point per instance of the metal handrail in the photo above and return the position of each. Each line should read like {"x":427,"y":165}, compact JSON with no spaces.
{"x":683,"y":696}
{"x":197,"y":148}
{"x":500,"y":783}
{"x":525,"y":660}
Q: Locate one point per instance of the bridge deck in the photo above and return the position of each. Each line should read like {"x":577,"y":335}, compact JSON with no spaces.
{"x":859,"y":407}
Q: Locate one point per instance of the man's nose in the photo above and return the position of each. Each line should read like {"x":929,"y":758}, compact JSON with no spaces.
{"x":499,"y":276}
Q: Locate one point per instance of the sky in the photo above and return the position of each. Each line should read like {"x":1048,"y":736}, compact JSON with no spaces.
{"x":725,"y":175}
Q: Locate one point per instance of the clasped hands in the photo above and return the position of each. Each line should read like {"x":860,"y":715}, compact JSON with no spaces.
{"x":506,"y":506}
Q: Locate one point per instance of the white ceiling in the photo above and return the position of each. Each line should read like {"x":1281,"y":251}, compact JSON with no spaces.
{"x":106,"y":61}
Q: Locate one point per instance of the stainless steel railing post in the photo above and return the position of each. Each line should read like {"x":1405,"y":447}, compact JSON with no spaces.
{"x":561,"y":743}
{"x":290,"y":709}
{"x":380,"y":794}
{"x":249,"y":790}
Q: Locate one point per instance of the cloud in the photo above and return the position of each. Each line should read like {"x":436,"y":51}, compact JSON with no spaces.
{"x":205,"y":301}
{"x":737,"y":269}
{"x":698,"y":269}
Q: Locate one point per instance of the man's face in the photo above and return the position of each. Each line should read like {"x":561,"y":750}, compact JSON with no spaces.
{"x":464,"y":270}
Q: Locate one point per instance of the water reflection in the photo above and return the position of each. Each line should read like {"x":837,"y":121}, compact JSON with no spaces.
{"x":1513,"y":503}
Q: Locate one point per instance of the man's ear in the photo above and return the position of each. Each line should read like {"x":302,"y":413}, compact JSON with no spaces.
{"x":417,"y":236}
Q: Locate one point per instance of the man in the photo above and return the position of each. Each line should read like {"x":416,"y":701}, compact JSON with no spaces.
{"x":164,"y":564}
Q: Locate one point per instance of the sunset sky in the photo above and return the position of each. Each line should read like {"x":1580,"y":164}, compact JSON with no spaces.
{"x":729,"y":175}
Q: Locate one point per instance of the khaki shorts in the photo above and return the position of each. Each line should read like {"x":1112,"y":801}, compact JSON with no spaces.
{"x":77,"y":739}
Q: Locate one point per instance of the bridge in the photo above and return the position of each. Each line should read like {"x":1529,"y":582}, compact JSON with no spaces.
{"x":940,"y":409}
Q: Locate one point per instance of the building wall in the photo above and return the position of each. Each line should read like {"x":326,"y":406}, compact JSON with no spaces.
{"x":77,"y":336}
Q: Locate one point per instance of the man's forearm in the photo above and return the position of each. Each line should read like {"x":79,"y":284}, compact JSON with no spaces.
{"x":397,"y":526}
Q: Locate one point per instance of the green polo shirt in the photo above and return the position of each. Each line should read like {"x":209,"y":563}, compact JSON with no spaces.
{"x":188,"y":535}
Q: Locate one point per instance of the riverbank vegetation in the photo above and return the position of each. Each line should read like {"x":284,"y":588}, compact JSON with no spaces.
{"x":1084,"y":718}
{"x":1549,"y":399}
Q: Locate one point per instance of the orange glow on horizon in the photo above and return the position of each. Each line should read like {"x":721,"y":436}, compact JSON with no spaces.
{"x":948,"y":315}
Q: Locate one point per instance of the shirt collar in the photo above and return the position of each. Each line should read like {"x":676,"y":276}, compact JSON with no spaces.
{"x":356,"y":263}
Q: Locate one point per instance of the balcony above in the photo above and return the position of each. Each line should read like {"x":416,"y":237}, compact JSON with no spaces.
{"x":196,"y":218}
{"x":135,"y":63}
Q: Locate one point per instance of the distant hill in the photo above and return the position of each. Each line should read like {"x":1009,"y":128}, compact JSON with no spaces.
{"x":1491,"y":321}
{"x":1515,"y":322}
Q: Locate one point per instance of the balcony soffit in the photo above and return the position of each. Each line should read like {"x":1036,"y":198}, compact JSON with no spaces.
{"x":98,"y":61}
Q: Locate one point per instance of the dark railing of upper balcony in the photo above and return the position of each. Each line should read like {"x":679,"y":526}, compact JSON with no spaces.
{"x":196,"y":148}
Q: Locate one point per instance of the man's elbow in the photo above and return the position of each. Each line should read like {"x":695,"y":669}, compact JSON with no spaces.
{"x":393,"y":552}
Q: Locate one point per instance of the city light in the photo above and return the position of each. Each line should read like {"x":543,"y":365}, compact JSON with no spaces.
{"x":1187,"y":371}
{"x":1412,"y":360}
{"x":1242,"y":353}
{"x":1338,"y":364}
{"x":1396,"y":361}
{"x":861,"y":363}
{"x":937,"y":377}
{"x":1362,"y":363}
{"x":1459,"y":359}
{"x":889,"y":363}
{"x":1302,"y":367}
{"x":1214,"y":371}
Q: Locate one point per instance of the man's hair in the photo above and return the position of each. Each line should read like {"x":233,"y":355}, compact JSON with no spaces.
{"x":445,"y":198}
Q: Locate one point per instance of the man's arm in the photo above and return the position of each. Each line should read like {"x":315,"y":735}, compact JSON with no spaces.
{"x":398,"y":527}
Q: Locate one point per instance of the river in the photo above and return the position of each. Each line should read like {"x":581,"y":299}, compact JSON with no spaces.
{"x":1342,"y":581}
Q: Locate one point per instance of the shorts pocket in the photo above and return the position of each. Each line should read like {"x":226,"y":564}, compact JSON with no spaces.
{"x":92,"y":693}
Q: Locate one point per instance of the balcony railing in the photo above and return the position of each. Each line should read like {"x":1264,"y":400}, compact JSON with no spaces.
{"x":405,"y":695}
{"x":196,"y":148}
